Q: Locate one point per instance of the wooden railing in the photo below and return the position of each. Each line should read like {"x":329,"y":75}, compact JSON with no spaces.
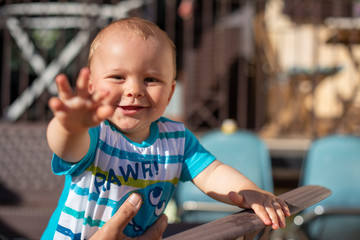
{"x":246,"y":224}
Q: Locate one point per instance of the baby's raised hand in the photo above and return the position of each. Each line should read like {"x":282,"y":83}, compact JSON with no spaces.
{"x":271,"y":209}
{"x":80,"y":110}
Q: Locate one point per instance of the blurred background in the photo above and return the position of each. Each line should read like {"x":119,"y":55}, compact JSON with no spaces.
{"x":286,"y":71}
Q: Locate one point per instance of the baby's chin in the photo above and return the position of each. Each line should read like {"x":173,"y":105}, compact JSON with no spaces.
{"x":137,"y":131}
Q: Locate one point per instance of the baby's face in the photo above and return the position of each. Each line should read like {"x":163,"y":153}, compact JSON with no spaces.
{"x":138,"y":74}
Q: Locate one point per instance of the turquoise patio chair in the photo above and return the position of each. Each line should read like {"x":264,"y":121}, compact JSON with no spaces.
{"x":242,"y":150}
{"x":332,"y":162}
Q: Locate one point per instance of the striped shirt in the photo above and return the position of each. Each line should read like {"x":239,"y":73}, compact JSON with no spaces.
{"x":115,"y":167}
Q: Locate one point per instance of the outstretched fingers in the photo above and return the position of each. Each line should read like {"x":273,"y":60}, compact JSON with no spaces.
{"x":82,"y":109}
{"x":56,"y":105}
{"x":64,"y":89}
{"x":82,"y":83}
{"x":102,"y":110}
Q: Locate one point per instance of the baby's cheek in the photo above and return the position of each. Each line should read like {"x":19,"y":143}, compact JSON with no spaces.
{"x":111,"y":96}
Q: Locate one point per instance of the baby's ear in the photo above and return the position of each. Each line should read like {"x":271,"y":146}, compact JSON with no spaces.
{"x":90,"y":85}
{"x":173,"y":85}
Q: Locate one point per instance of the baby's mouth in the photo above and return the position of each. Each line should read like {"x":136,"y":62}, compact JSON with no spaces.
{"x":131,"y":109}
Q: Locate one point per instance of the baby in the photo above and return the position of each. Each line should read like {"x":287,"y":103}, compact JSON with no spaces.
{"x":110,"y":140}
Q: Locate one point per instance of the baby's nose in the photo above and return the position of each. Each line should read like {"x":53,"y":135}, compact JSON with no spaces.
{"x":134,"y":89}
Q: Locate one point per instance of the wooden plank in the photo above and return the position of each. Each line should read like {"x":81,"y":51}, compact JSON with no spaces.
{"x":247,"y":222}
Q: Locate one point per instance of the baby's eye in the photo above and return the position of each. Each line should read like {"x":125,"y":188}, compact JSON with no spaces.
{"x":118,"y":77}
{"x":151,"y":80}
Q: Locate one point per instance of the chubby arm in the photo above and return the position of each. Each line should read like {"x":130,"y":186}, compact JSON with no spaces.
{"x":74,"y":114}
{"x":71,"y":147}
{"x":228,"y":185}
{"x":218,"y":179}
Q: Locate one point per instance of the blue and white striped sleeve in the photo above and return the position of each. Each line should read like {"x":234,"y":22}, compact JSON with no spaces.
{"x":62,"y":167}
{"x":196,"y":157}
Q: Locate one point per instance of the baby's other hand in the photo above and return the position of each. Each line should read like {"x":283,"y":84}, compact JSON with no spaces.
{"x":80,"y":110}
{"x":271,"y":209}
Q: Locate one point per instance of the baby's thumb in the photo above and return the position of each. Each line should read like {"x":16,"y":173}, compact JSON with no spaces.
{"x":237,"y":199}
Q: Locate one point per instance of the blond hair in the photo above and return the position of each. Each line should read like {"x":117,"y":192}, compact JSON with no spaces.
{"x":140,"y":28}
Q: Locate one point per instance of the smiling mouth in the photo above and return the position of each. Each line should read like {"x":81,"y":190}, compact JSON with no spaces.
{"x":131,"y":109}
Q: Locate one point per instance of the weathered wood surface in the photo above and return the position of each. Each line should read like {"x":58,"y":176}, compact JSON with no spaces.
{"x":246,"y":224}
